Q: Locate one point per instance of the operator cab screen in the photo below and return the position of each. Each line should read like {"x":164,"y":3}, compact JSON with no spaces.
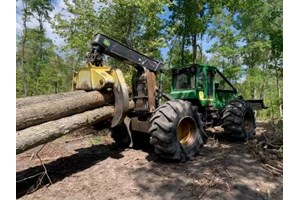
{"x":184,"y":78}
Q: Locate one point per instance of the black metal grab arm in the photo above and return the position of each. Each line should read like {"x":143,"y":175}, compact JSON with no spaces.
{"x":102,"y":44}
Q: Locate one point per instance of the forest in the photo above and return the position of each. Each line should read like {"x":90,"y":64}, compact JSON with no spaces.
{"x":243,"y":39}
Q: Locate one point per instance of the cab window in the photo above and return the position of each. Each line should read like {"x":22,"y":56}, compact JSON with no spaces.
{"x":221,"y":84}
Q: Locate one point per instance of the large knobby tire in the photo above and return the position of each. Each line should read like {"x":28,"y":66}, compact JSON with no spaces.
{"x":175,"y":132}
{"x":238,"y":119}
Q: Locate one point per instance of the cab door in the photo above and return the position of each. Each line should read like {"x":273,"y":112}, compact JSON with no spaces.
{"x":206,"y":86}
{"x":224,"y":90}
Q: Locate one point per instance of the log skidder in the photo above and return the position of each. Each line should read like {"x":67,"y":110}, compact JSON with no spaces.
{"x":198,"y":99}
{"x":238,"y":119}
{"x":175,"y":131}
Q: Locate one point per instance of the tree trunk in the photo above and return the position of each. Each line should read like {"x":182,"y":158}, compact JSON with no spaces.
{"x":182,"y":49}
{"x":253,"y":92}
{"x":201,"y":48}
{"x":23,"y":75}
{"x":194,"y":45}
{"x":26,"y":101}
{"x":44,"y":111}
{"x":278,"y":89}
{"x":49,"y":131}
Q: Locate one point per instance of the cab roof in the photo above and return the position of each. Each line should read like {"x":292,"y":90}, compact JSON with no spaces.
{"x":195,"y":65}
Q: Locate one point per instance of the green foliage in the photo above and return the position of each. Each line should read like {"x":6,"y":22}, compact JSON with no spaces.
{"x":248,"y":49}
{"x":188,"y":21}
{"x":77,"y":27}
{"x":244,"y":41}
{"x":43,"y":71}
{"x":134,"y":23}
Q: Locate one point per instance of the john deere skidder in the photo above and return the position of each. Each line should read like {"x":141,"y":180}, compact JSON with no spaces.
{"x":200,"y":97}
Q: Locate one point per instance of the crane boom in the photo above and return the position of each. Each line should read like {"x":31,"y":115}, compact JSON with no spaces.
{"x":103,"y":44}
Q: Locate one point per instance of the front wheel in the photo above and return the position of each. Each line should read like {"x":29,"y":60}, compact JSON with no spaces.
{"x":175,"y":132}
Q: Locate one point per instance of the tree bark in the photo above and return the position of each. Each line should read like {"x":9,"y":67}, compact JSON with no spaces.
{"x":26,"y":101}
{"x":49,"y":131}
{"x":182,"y":49}
{"x":23,"y":75}
{"x":57,"y":108}
{"x":279,"y":93}
{"x":194,"y":45}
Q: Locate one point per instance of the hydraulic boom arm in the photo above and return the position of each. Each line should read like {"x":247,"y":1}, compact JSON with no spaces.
{"x":102,"y":44}
{"x":96,"y":76}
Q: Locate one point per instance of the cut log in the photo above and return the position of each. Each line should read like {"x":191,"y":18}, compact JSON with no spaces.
{"x":26,"y":101}
{"x":49,"y":131}
{"x":57,"y":108}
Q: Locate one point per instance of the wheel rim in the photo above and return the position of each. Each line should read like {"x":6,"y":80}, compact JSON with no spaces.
{"x":186,"y":131}
{"x":247,"y":121}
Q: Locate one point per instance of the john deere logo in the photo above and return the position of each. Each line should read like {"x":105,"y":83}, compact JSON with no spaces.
{"x":106,"y":42}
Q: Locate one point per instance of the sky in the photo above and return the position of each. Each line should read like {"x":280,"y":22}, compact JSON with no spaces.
{"x":58,"y":6}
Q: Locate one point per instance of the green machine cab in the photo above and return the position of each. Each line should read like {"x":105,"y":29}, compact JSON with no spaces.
{"x":204,"y":85}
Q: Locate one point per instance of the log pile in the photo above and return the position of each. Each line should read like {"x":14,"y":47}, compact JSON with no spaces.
{"x":44,"y":118}
{"x":47,"y":109}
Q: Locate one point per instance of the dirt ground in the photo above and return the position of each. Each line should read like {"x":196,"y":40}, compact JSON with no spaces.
{"x":88,"y":165}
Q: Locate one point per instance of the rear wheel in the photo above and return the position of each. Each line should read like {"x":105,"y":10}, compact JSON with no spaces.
{"x":175,"y":132}
{"x":238,"y":119}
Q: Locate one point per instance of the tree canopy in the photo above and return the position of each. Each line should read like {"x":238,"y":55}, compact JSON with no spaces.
{"x":244,"y":39}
